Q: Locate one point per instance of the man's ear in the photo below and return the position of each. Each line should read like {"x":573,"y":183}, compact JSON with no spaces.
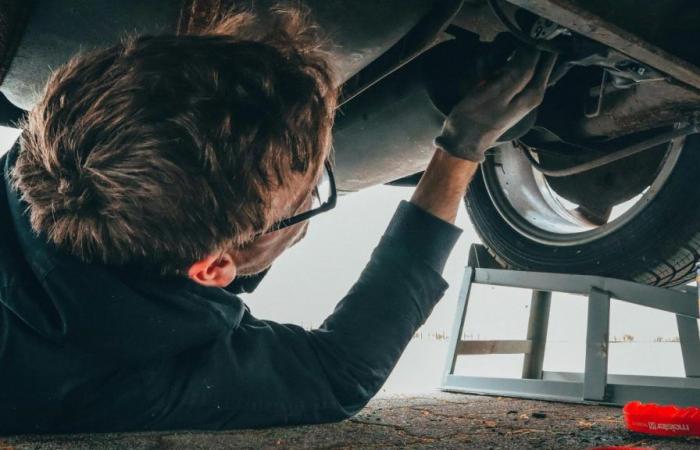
{"x":217,"y":270}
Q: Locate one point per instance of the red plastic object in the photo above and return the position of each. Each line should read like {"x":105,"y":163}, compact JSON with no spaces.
{"x":662,"y":420}
{"x":622,"y":447}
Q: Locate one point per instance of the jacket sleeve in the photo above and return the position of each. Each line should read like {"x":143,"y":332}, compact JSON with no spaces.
{"x":263,"y":373}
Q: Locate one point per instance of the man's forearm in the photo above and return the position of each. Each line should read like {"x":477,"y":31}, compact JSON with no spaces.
{"x":442,"y":187}
{"x":475,"y":124}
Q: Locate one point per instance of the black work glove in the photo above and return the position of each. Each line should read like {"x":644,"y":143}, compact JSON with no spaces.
{"x":492,"y":107}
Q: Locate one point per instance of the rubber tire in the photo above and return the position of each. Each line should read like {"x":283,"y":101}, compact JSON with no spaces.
{"x":660,"y":246}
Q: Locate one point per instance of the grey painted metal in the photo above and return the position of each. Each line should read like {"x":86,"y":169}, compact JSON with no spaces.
{"x":633,"y":380}
{"x":686,"y":289}
{"x":460,"y":318}
{"x":574,"y":16}
{"x":537,"y":333}
{"x":689,"y":337}
{"x":503,"y":347}
{"x":596,"y":368}
{"x":594,"y":385}
{"x":618,"y":394}
{"x":515,"y":387}
{"x":665,"y":395}
{"x":662,"y":299}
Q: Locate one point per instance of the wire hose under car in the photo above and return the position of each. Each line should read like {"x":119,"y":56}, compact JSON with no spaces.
{"x":614,"y":156}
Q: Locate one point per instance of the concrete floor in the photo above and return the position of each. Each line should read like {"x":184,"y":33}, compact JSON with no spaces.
{"x":432,"y":421}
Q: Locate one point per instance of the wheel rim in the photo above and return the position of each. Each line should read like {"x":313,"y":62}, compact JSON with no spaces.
{"x":522,"y":196}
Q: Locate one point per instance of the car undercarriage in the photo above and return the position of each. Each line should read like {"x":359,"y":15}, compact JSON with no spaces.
{"x":595,"y":181}
{"x":601,"y":179}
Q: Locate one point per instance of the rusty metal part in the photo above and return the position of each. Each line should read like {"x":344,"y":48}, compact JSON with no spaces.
{"x":599,"y":188}
{"x":642,"y":107}
{"x":574,"y":15}
{"x":669,"y":24}
{"x":599,"y":98}
{"x":615,"y":155}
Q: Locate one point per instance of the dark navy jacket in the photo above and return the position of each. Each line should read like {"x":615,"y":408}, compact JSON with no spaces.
{"x":91,"y":348}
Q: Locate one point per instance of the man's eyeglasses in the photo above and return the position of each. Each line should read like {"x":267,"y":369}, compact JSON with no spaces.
{"x":324,"y":198}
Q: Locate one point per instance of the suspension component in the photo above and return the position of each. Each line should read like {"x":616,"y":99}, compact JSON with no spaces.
{"x":615,"y":155}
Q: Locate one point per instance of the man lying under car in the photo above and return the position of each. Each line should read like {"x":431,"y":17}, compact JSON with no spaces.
{"x":155,"y":175}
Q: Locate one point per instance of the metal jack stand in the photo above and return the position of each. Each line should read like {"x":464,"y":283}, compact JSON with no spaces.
{"x":594,"y":384}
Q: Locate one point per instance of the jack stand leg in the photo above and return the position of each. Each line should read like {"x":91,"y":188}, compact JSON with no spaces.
{"x":458,"y":326}
{"x":537,"y":334}
{"x":596,"y":373}
{"x":690,"y":344}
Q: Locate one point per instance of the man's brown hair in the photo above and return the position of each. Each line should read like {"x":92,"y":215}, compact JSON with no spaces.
{"x":162,"y":149}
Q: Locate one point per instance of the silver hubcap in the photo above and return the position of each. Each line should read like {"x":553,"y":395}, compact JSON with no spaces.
{"x":525,"y":200}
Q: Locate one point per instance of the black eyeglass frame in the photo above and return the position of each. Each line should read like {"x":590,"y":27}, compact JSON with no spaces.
{"x":327,"y":206}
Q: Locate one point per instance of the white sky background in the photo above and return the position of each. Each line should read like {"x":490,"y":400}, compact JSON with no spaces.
{"x":305,"y":284}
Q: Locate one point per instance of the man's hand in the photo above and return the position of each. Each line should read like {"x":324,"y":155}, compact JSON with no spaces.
{"x":475,"y":125}
{"x":493,"y":107}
